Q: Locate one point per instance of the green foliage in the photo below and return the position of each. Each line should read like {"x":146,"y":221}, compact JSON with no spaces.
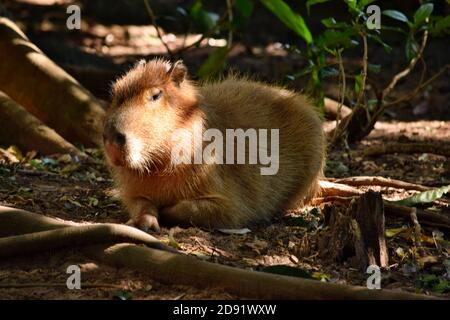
{"x":323,"y":47}
{"x":203,"y":19}
{"x":292,"y":20}
{"x":214,"y":64}
{"x":245,"y":7}
{"x":433,"y":282}
{"x":423,"y":197}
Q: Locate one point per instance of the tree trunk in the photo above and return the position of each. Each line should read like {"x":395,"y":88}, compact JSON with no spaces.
{"x":30,"y":78}
{"x":20,"y":128}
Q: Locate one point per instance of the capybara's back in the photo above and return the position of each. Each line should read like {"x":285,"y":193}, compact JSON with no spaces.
{"x":261,"y":149}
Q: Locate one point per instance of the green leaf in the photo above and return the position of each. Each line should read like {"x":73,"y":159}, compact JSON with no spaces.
{"x":358,"y":83}
{"x":441,"y":26}
{"x":331,"y":23}
{"x":122,"y":295}
{"x":245,"y":7}
{"x":432,"y":281}
{"x":364,"y":3}
{"x":288,"y":271}
{"x":423,"y":197}
{"x":422,"y":13}
{"x":310,"y":3}
{"x":411,"y":48}
{"x":291,"y":19}
{"x":331,"y":39}
{"x":214,"y":64}
{"x":205,"y":20}
{"x":394,"y":14}
{"x":353,"y":6}
{"x":378,"y":39}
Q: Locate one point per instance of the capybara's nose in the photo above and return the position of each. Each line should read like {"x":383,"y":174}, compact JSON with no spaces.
{"x":113,"y":135}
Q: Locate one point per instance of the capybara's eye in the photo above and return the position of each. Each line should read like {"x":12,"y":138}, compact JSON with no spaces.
{"x":156,"y":96}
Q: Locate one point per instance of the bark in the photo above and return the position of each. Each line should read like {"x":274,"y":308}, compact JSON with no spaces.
{"x":30,"y":78}
{"x":358,"y":235}
{"x":168,"y":267}
{"x":20,"y":128}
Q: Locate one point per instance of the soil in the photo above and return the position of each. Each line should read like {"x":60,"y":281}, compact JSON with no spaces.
{"x":63,"y":188}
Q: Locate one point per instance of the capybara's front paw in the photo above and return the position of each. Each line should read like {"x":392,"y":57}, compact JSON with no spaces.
{"x":145,"y":222}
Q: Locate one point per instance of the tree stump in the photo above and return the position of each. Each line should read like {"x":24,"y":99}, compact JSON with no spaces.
{"x":358,"y":234}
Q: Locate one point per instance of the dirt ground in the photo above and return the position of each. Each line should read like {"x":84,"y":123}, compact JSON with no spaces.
{"x":60,"y":187}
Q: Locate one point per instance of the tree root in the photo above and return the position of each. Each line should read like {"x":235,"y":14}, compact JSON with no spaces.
{"x":20,"y":128}
{"x":45,"y":90}
{"x":172,"y":268}
{"x":56,"y":285}
{"x":424,"y":217}
{"x":380,"y":181}
{"x":328,"y":188}
{"x":408,"y":148}
{"x":76,"y":236}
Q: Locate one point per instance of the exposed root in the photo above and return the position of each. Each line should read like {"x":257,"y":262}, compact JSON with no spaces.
{"x":380,"y":181}
{"x":408,"y":148}
{"x":169,"y":267}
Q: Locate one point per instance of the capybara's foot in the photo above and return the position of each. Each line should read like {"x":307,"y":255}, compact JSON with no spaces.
{"x":145,"y":222}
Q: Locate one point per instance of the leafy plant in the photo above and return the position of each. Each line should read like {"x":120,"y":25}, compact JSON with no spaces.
{"x":326,"y":49}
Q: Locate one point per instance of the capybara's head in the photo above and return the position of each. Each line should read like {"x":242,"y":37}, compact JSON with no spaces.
{"x":148,"y":104}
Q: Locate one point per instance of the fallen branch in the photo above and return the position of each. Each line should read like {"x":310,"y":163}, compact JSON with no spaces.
{"x":408,"y":148}
{"x":20,"y":128}
{"x":380,"y":181}
{"x":168,"y":267}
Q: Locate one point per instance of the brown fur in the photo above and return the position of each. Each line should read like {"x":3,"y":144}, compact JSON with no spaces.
{"x":219,"y":196}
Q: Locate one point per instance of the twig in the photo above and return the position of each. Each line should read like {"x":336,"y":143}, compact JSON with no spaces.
{"x":230,"y":21}
{"x":343,"y":90}
{"x":408,"y":69}
{"x":417,"y":230}
{"x":155,"y":24}
{"x":418,"y":88}
{"x":205,"y":35}
{"x":364,"y":73}
{"x":339,"y":131}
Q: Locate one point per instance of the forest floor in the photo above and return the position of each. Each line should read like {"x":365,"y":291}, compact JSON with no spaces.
{"x":60,"y":187}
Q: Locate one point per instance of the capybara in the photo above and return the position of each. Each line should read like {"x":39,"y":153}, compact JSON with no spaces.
{"x":158,"y":165}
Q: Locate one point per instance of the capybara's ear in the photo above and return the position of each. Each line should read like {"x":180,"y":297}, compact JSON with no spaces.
{"x":177,"y":72}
